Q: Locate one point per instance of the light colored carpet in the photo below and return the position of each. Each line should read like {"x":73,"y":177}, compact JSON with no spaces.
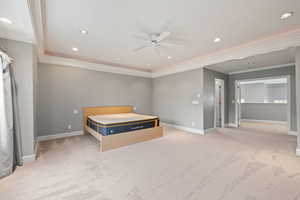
{"x":256,"y":162}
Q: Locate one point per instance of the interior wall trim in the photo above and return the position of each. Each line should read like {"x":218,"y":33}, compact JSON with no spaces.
{"x":231,"y":125}
{"x":90,"y":66}
{"x":293,"y":133}
{"x":264,"y":121}
{"x":31,"y":157}
{"x":59,"y":135}
{"x":209,"y":130}
{"x":184,"y":128}
{"x":262,"y":68}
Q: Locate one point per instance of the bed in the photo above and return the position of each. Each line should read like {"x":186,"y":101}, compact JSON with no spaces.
{"x":117,"y":126}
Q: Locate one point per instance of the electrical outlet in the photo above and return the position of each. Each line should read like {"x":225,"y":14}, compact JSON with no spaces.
{"x":75,"y":111}
{"x":69,"y":126}
{"x":134,"y":108}
{"x":198,"y":95}
{"x":193,"y":123}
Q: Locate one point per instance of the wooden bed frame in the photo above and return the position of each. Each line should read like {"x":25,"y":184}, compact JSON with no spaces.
{"x":121,"y":139}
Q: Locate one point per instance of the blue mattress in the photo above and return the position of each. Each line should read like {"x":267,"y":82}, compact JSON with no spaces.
{"x":120,"y":127}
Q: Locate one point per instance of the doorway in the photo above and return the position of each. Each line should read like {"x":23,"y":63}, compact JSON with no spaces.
{"x":219,"y":114}
{"x":263,"y":100}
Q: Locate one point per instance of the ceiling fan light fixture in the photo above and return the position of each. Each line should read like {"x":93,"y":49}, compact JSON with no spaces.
{"x":169,"y":57}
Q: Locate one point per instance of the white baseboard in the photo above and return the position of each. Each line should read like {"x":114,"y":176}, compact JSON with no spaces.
{"x":31,"y":157}
{"x":183,"y":128}
{"x":59,"y":135}
{"x":263,"y":121}
{"x":294,"y":133}
{"x":298,"y":152}
{"x":209,"y":130}
{"x":231,"y":125}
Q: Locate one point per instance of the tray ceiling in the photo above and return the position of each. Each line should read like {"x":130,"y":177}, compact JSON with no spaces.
{"x":112,"y":24}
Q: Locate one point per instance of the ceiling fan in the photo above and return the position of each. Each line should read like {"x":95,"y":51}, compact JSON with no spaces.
{"x":154,"y":40}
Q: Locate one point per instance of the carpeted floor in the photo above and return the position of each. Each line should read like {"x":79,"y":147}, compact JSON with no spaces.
{"x":255,"y":162}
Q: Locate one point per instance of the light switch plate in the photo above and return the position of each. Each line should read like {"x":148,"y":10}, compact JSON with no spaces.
{"x":75,"y":111}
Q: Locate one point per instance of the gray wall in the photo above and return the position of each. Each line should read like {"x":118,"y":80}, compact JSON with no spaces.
{"x":277,"y":92}
{"x":297,"y":58}
{"x":209,"y":96}
{"x":263,"y":74}
{"x":264,"y":111}
{"x":173,"y":95}
{"x":263,"y":93}
{"x":63,"y":89}
{"x":254,"y":93}
{"x":24,"y":66}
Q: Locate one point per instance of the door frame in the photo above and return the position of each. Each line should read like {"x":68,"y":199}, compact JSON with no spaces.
{"x":222,"y":103}
{"x":238,"y":98}
{"x":237,"y":101}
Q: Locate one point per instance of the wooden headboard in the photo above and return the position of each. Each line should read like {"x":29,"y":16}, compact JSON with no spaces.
{"x":104,"y":110}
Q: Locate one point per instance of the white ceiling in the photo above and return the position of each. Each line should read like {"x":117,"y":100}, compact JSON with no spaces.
{"x":18,"y":13}
{"x":277,"y":58}
{"x":112,"y":23}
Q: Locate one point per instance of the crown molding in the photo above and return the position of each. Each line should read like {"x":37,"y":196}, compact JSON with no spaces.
{"x":91,"y":66}
{"x":262,"y":68}
{"x":269,"y":44}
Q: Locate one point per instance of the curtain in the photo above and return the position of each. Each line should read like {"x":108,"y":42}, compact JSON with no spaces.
{"x":10,"y":137}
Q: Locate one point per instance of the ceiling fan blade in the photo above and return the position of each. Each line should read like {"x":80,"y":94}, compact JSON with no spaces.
{"x":163,"y":36}
{"x":140,"y":48}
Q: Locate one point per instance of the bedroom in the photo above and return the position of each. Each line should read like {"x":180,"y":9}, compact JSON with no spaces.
{"x":79,"y":67}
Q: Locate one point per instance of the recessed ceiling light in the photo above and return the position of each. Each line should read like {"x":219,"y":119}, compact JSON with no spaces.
{"x":169,"y":57}
{"x":286,"y":15}
{"x":5,"y":20}
{"x":217,"y":39}
{"x":84,"y":32}
{"x":75,"y":49}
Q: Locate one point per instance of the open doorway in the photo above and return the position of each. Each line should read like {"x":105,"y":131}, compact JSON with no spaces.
{"x":264,"y":100}
{"x":219,"y":113}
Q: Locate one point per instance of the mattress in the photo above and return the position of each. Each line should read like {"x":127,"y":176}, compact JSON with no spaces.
{"x":119,"y":123}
